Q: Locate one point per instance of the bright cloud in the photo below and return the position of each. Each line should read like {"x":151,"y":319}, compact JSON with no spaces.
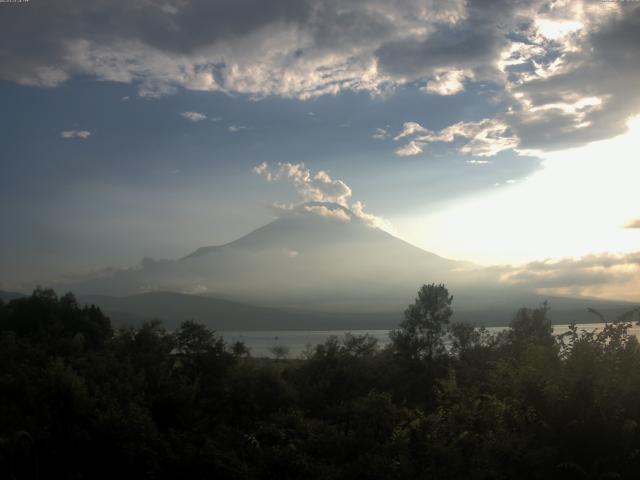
{"x":332,"y":195}
{"x":194,"y":116}
{"x":291,"y":253}
{"x":380,"y":134}
{"x":82,"y":134}
{"x":410,"y":149}
{"x":448,"y":82}
{"x":410,"y":128}
{"x":324,"y":211}
{"x":318,"y":187}
{"x":483,"y":139}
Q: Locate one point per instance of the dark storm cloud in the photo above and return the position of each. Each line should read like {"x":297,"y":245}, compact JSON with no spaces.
{"x":174,"y":25}
{"x":244,"y":46}
{"x":450,"y":48}
{"x":41,"y":38}
{"x":473,"y":41}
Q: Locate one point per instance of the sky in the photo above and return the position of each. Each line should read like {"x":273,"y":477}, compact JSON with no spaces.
{"x":499,"y":132}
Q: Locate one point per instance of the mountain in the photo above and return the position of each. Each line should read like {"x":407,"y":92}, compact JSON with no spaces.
{"x":173,"y":308}
{"x":331,"y":261}
{"x":224,"y":315}
{"x":320,"y":259}
{"x":8,"y":296}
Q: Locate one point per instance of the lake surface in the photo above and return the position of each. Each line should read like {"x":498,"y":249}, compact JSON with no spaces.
{"x":296,"y":341}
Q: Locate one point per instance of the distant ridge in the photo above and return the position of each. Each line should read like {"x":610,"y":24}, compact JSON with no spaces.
{"x":8,"y":296}
{"x":225,"y":315}
{"x":173,"y":308}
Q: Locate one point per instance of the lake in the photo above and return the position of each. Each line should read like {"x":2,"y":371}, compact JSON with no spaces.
{"x":259,"y":342}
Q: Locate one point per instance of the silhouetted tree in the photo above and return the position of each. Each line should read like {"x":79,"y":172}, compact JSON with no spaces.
{"x":532,"y":326}
{"x":240,"y":349}
{"x":45,"y":315}
{"x":280,"y":352}
{"x":421,"y":333}
{"x":193,"y":338}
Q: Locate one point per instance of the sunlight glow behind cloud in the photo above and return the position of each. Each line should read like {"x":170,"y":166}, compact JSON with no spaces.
{"x":578,"y":204}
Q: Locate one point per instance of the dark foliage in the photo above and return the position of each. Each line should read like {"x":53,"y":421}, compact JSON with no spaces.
{"x":443,"y":401}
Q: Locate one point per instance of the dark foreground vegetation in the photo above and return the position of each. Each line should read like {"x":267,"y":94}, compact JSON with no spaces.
{"x":80,"y":401}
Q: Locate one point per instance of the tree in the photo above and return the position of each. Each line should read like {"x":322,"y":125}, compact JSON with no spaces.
{"x":421,"y":333}
{"x":240,"y":349}
{"x":193,"y":338}
{"x":45,"y":315}
{"x":532,"y":327}
{"x":280,"y":352}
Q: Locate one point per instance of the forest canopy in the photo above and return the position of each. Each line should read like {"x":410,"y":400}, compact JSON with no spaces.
{"x":443,"y":400}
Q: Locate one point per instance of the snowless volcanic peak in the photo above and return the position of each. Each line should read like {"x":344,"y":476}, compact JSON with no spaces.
{"x":313,"y":258}
{"x":317,"y":254}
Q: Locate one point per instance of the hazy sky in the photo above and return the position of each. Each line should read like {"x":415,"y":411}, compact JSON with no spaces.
{"x":489,"y":130}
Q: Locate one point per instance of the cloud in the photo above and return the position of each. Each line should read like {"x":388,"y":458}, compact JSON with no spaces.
{"x":539,"y":60}
{"x":573,"y":81}
{"x":566,"y":77}
{"x":287,"y":48}
{"x":448,"y":82}
{"x":263,"y":169}
{"x":410,"y":149}
{"x":318,"y":187}
{"x":410,"y":128}
{"x":633,"y":224}
{"x":194,"y":116}
{"x":236,"y":128}
{"x":291,"y":253}
{"x":324,"y":211}
{"x":605,"y":275}
{"x":478,"y":162}
{"x":373,"y":220}
{"x":82,"y":134}
{"x":319,"y":193}
{"x":197,"y":289}
{"x":484,"y":138}
{"x":380,"y":134}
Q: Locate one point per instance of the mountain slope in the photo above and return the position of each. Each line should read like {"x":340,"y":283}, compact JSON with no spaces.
{"x":302,"y":260}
